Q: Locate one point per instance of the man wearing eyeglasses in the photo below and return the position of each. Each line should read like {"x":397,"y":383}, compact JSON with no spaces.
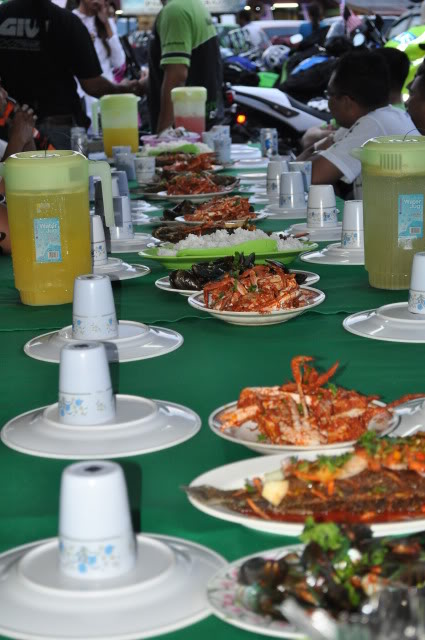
{"x":359,"y":95}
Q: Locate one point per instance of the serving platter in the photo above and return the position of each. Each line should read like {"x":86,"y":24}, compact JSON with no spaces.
{"x":249,"y":435}
{"x":186,"y":261}
{"x":253,"y":318}
{"x":165,"y":285}
{"x":198,"y":197}
{"x":253,"y":216}
{"x":234,"y":476}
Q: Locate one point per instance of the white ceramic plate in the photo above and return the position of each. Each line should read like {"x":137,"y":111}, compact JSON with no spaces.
{"x":253,"y":177}
{"x":165,"y":285}
{"x":253,"y":216}
{"x":239,"y":151}
{"x":199,"y":197}
{"x":251,"y":163}
{"x":335,"y":254}
{"x":248,"y":433}
{"x":136,"y":341}
{"x":132,"y":245}
{"x":223,"y":593}
{"x":259,"y":199}
{"x":392,"y":322}
{"x":122,"y":271}
{"x":166,"y":591}
{"x":234,"y":476}
{"x":140,"y":207}
{"x":318,"y":234}
{"x":252,"y":318}
{"x":141,"y":426}
{"x":276,"y":213}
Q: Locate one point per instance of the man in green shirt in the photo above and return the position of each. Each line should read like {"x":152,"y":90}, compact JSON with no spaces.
{"x":184,"y":51}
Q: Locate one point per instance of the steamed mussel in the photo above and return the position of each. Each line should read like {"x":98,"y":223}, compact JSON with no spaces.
{"x":180,"y":209}
{"x":195,"y":278}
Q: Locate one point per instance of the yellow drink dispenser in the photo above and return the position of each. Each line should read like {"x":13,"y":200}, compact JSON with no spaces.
{"x":48,"y":209}
{"x":119,"y":121}
{"x":393,"y":173}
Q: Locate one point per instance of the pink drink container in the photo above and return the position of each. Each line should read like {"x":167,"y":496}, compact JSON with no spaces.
{"x":189,"y":105}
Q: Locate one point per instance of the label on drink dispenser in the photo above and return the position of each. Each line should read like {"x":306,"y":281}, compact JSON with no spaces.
{"x":47,"y":237}
{"x":410,"y":217}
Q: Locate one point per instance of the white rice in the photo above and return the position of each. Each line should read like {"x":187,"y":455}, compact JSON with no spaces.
{"x":223,"y":238}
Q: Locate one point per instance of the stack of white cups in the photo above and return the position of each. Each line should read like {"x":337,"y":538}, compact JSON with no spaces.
{"x":98,"y":242}
{"x":123,"y":229}
{"x":96,"y":538}
{"x":305,"y":167}
{"x":291,"y":193}
{"x":93,"y":309}
{"x":416,"y":302}
{"x":145,"y":169}
{"x":321,"y":207}
{"x":352,"y":225}
{"x":274,"y":170}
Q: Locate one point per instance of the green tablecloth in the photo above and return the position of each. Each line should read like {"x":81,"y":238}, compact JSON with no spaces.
{"x":210,"y":369}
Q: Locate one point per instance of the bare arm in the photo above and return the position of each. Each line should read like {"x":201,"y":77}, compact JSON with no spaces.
{"x":4,"y":230}
{"x":100,"y":86}
{"x":21,"y":132}
{"x":175,"y":75}
{"x":324,"y":172}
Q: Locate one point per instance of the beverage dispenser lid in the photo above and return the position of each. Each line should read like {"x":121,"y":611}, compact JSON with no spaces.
{"x":181,"y":94}
{"x":116,"y":99}
{"x":393,"y":153}
{"x":46,"y":171}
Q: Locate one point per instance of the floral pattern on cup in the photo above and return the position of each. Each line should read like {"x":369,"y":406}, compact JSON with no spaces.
{"x":294,"y":201}
{"x":89,"y":408}
{"x":322,"y":217}
{"x":94,"y":328}
{"x":416,"y":303}
{"x":98,"y":253}
{"x":272,"y":187}
{"x":83,"y":559}
{"x":353,"y":239}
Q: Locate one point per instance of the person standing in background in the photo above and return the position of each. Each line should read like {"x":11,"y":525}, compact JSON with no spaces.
{"x":184,"y":50}
{"x":94,"y":14}
{"x":314,"y":12}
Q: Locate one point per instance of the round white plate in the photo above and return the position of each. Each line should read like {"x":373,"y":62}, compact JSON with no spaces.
{"x":141,"y":426}
{"x":251,"y":163}
{"x":223,"y":593}
{"x":247,"y":435}
{"x":140,"y":207}
{"x":165,"y":285}
{"x":254,"y":189}
{"x":252,"y":318}
{"x":276,"y":213}
{"x":136,"y":341}
{"x":239,"y":151}
{"x":253,"y":177}
{"x":234,"y":476}
{"x":392,"y":322}
{"x":253,"y":216}
{"x":165,"y":591}
{"x":318,"y":234}
{"x":260,"y":199}
{"x":199,"y":197}
{"x":335,"y":254}
{"x":122,"y":271}
{"x":132,"y":245}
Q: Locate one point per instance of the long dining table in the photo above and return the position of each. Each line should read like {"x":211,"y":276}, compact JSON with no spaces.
{"x":215,"y":362}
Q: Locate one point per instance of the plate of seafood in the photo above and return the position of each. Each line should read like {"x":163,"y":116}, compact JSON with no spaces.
{"x":231,"y":209}
{"x":253,"y":593}
{"x":308,"y":413}
{"x":379,"y":482}
{"x":186,"y":282}
{"x":198,"y":187}
{"x":261,"y":295}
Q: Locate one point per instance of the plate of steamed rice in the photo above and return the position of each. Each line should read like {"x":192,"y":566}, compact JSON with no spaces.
{"x":192,"y":249}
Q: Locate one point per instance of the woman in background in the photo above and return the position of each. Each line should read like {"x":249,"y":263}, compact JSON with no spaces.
{"x":95,"y":16}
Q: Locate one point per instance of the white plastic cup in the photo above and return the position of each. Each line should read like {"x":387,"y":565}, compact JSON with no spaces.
{"x":123,"y":229}
{"x":98,"y":242}
{"x":223,"y":149}
{"x":93,"y":309}
{"x":208,"y":138}
{"x":125,"y":162}
{"x":145,"y":169}
{"x":416,"y":302}
{"x":85,"y":390}
{"x":122,"y":183}
{"x":352,"y":225}
{"x":291,"y":194}
{"x":96,"y":538}
{"x":115,"y":186}
{"x":274,"y":170}
{"x":306,"y":168}
{"x":321,"y":206}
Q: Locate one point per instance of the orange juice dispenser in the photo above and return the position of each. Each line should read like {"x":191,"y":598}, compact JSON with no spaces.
{"x":393,"y":174}
{"x":49,"y":219}
{"x":119,"y":121}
